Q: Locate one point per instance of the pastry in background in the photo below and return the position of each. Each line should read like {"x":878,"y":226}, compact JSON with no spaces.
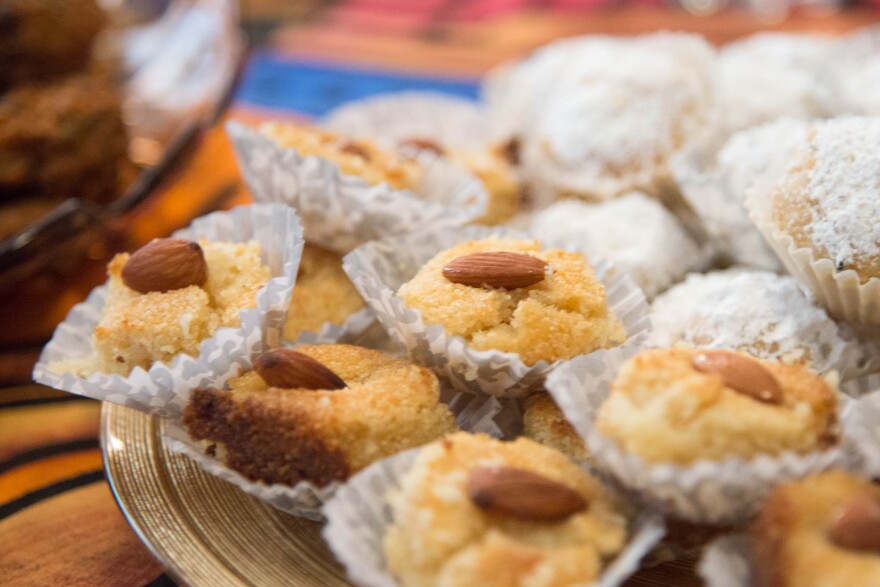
{"x":545,"y":423}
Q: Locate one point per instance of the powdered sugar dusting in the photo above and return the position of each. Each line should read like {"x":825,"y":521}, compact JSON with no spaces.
{"x":767,"y":315}
{"x":635,"y":232}
{"x":845,"y":185}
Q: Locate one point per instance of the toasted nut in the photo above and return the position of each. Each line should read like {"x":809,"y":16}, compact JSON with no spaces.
{"x":857,"y":525}
{"x":353,"y":148}
{"x":289,"y":369}
{"x":741,"y":374}
{"x":496,"y":269}
{"x":423,"y":145}
{"x":522,"y":495}
{"x":511,"y":150}
{"x":165,"y":264}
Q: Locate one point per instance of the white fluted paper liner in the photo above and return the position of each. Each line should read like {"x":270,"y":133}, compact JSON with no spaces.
{"x":472,"y":413}
{"x":727,"y":562}
{"x":163,"y":390}
{"x":380,"y":267}
{"x":865,"y":421}
{"x":352,"y":331}
{"x":713,"y":492}
{"x":341,"y":211}
{"x":390,"y":118}
{"x":358,"y":517}
{"x":719,"y":212}
{"x":840,"y":292}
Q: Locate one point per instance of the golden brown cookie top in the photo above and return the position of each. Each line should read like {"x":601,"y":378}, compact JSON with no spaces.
{"x":823,"y":531}
{"x":440,"y":534}
{"x":354,"y":156}
{"x":564,"y":314}
{"x":681,"y":405}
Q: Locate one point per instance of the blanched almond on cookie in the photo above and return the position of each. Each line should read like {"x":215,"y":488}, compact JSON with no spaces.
{"x":857,"y":525}
{"x":165,"y":264}
{"x":499,"y":269}
{"x":522,"y":495}
{"x":742,"y":374}
{"x":289,"y":369}
{"x":423,"y":144}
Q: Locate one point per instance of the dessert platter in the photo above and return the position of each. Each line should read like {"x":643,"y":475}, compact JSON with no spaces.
{"x":620,"y":318}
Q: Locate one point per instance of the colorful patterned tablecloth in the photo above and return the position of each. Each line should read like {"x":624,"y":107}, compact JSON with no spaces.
{"x":59,"y":524}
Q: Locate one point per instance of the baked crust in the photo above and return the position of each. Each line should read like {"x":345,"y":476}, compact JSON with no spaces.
{"x":545,"y":423}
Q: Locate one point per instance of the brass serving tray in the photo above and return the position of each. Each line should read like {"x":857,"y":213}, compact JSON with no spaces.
{"x":205,"y":531}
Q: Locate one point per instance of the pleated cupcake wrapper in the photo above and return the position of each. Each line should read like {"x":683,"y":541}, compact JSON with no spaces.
{"x":707,"y":194}
{"x":340,"y":211}
{"x":163,"y":389}
{"x":865,"y":420}
{"x":392,"y":118}
{"x":352,"y":331}
{"x":358,"y":518}
{"x":472,"y":413}
{"x":840,"y":292}
{"x":728,"y":562}
{"x":379,"y":268}
{"x":710,"y":492}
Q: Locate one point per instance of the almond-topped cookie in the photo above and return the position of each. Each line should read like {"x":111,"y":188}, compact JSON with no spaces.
{"x":684,"y":405}
{"x":478,"y":511}
{"x":166,"y":298}
{"x":319,"y":413}
{"x":513,"y":296}
{"x":822,"y":531}
{"x":354,"y":156}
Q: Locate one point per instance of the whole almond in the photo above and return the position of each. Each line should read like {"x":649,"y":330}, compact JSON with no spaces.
{"x":165,"y":264}
{"x":857,"y":525}
{"x":353,"y":148}
{"x":740,"y":373}
{"x":423,"y":144}
{"x":498,"y":269}
{"x":522,"y":495}
{"x":289,"y":369}
{"x":511,"y":150}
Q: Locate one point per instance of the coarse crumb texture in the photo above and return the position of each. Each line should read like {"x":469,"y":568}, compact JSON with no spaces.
{"x":498,"y":177}
{"x":137,"y":330}
{"x":792,"y":548}
{"x":760,"y":313}
{"x":768,"y":75}
{"x":664,"y":410}
{"x":564,"y":315}
{"x":610,"y":121}
{"x":545,"y":423}
{"x":323,"y":293}
{"x":291,"y":435}
{"x":440,"y":538}
{"x":354,"y":156}
{"x":635,"y":232}
{"x":829,"y":198}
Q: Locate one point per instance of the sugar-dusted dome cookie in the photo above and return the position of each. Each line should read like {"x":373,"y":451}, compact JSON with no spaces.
{"x":635,"y":232}
{"x":822,"y":531}
{"x":828,"y":200}
{"x":764,"y":314}
{"x":513,"y":296}
{"x":606,"y":120}
{"x":769,"y":75}
{"x":685,"y":405}
{"x":318,"y":414}
{"x":323,"y":293}
{"x":477,"y":511}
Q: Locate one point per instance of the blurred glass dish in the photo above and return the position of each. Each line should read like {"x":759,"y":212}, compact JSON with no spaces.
{"x":178,"y":61}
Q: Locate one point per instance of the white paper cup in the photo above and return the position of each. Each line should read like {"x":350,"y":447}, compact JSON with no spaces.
{"x":709,"y":492}
{"x":728,"y":562}
{"x":163,"y":390}
{"x":340,"y":211}
{"x":358,"y":517}
{"x":379,"y":268}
